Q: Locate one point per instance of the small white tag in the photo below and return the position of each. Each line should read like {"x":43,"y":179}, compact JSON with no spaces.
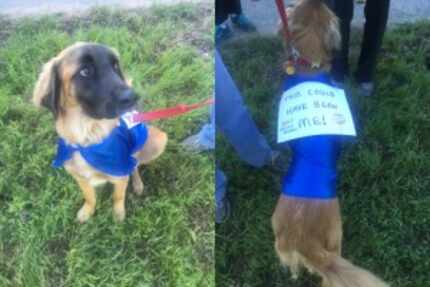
{"x":313,"y":108}
{"x":128,"y":119}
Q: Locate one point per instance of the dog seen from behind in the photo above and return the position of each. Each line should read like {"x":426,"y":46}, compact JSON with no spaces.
{"x":92,"y":103}
{"x":307,"y":223}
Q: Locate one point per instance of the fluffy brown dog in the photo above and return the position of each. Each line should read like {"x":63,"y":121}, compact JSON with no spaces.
{"x":86,"y":91}
{"x":308,"y":232}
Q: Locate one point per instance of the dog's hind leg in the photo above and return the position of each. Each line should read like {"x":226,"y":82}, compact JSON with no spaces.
{"x":138,"y":185}
{"x":89,"y":193}
{"x":154,"y":146}
{"x":120,"y":188}
{"x":285,"y":248}
{"x":288,"y":258}
{"x":333,"y":242}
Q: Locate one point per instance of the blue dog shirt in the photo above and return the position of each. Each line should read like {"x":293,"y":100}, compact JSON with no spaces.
{"x":113,"y":155}
{"x":312,"y":173}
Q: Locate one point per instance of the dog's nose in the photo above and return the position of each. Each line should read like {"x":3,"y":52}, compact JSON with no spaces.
{"x":127,"y":98}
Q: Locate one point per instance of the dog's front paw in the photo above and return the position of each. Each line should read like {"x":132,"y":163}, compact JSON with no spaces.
{"x":84,"y":213}
{"x":119,"y":213}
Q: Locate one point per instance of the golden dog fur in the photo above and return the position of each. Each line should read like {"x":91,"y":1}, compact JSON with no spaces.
{"x":308,"y":232}
{"x":76,"y":127}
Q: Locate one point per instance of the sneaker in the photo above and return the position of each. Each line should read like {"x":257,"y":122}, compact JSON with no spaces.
{"x":243,"y":23}
{"x":222,"y":33}
{"x":194,"y":144}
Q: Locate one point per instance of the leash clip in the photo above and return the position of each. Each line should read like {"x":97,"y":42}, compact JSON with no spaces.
{"x":294,"y":53}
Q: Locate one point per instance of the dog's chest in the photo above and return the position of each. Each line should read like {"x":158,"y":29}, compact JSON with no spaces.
{"x":77,"y":166}
{"x":107,"y":160}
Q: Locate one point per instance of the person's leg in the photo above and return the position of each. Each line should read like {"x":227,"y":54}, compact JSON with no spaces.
{"x":222,"y":8}
{"x":344,"y":9}
{"x":376,"y":12}
{"x":238,"y":18}
{"x":222,"y":30}
{"x":233,"y":120}
{"x":234,"y":7}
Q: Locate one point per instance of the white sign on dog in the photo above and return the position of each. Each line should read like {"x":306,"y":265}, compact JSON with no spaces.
{"x":313,"y":108}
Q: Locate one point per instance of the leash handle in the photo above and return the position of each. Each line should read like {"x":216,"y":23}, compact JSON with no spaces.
{"x":284,"y":18}
{"x":169,"y":112}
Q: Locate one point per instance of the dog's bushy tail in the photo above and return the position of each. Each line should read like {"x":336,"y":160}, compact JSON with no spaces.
{"x":309,"y":233}
{"x":342,"y":273}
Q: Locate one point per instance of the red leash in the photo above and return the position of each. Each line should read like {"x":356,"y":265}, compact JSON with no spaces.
{"x":284,"y":18}
{"x":169,"y":112}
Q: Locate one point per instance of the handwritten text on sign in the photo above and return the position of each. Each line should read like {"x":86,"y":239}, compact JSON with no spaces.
{"x":313,"y":108}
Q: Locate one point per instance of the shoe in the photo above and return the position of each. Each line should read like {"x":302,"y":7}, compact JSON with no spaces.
{"x":222,"y":33}
{"x":243,"y":23}
{"x":194,"y":144}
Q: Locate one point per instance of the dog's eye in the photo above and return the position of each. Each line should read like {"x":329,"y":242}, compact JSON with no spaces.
{"x":116,"y":66}
{"x":85,"y":72}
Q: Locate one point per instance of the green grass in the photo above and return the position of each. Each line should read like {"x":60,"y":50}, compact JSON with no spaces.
{"x":384,"y":184}
{"x":167,"y":238}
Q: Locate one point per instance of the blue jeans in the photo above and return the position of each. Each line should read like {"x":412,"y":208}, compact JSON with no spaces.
{"x":206,"y":135}
{"x":234,"y":121}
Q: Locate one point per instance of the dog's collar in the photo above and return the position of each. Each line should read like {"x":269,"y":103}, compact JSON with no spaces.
{"x":295,"y":61}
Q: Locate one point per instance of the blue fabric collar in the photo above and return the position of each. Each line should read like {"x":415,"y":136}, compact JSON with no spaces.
{"x":113,"y":155}
{"x":312,"y":173}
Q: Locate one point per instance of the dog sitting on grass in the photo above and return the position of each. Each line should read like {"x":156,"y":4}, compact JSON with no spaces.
{"x":92,"y":102}
{"x":307,"y":222}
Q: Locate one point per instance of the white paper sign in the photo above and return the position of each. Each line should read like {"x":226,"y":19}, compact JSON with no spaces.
{"x":313,"y":108}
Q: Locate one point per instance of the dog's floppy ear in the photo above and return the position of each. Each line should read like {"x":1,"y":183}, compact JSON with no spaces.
{"x":48,"y":88}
